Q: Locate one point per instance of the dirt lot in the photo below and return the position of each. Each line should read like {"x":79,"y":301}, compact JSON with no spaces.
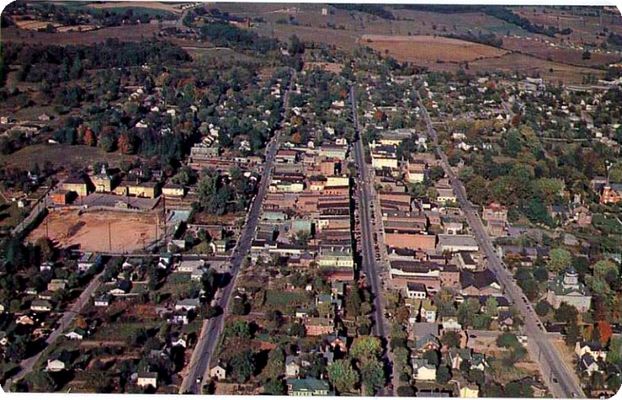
{"x":424,"y":49}
{"x":126,"y":33}
{"x":128,"y":231}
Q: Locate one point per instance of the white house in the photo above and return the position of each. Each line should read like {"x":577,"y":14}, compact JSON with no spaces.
{"x":218,"y":372}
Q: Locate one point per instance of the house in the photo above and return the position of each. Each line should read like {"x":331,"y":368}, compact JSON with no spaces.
{"x":187,"y":304}
{"x":102,"y":301}
{"x":218,"y":372}
{"x":55,"y":365}
{"x":495,"y":212}
{"x":450,"y":323}
{"x":611,"y":194}
{"x":469,"y":391}
{"x":445,"y":196}
{"x":40,"y":306}
{"x":139,"y":189}
{"x":566,"y":288}
{"x":292,"y":367}
{"x":57,"y":284}
{"x":595,"y":349}
{"x":61,"y":197}
{"x":423,"y":370}
{"x":588,"y":364}
{"x":427,"y":311}
{"x":146,"y":379}
{"x":76,"y":334}
{"x":307,"y":387}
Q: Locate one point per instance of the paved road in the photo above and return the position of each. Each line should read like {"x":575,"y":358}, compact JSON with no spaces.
{"x":562,"y":382}
{"x":36,"y":210}
{"x":365,"y":194}
{"x":212,"y":328}
{"x":63,"y":323}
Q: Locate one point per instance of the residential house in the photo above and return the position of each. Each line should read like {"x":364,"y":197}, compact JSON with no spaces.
{"x":146,"y":379}
{"x":40,"y":306}
{"x":218,"y":372}
{"x":307,"y":387}
{"x":292,"y":366}
{"x":423,"y":370}
{"x":593,"y":348}
{"x":55,"y":365}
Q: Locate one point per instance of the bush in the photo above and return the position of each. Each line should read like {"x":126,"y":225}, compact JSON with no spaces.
{"x":405,"y":391}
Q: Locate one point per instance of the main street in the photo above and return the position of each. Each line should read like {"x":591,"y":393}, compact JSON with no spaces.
{"x":212,"y":328}
{"x":368,"y":239}
{"x":562,"y":382}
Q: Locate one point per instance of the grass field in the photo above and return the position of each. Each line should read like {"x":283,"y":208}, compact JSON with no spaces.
{"x":152,"y":5}
{"x":90,"y":231}
{"x":60,"y":155}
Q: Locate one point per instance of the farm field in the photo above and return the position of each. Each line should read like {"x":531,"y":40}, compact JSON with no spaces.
{"x":132,"y":33}
{"x":423,"y":49}
{"x":154,"y":5}
{"x":60,"y":155}
{"x":89,"y":231}
{"x":544,"y":50}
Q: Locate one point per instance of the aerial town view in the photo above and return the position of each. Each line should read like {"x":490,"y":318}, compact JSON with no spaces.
{"x":311,"y":199}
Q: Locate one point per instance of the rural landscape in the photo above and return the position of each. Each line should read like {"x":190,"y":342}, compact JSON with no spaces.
{"x":311,"y":199}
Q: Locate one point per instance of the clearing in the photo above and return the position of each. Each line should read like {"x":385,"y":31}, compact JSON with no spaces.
{"x":424,"y":49}
{"x":129,"y":231}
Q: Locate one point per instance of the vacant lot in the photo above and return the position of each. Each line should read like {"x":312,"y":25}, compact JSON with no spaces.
{"x":90,"y":231}
{"x":424,"y":49}
{"x":60,"y":155}
{"x":132,"y":33}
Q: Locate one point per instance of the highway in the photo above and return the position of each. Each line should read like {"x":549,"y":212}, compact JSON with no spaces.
{"x":212,"y":328}
{"x":562,"y":382}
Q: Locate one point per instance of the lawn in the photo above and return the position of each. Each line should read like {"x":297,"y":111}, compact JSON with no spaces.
{"x":607,"y":224}
{"x":121,"y":330}
{"x":277,"y":299}
{"x":61,"y":155}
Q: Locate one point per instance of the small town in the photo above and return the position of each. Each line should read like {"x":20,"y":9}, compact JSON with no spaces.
{"x":242,"y":199}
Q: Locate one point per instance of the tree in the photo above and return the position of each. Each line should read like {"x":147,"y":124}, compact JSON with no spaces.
{"x":274,"y":387}
{"x":518,"y":390}
{"x":492,"y":307}
{"x":41,"y":381}
{"x":89,"y":137}
{"x":342,"y":376}
{"x":450,"y":339}
{"x":432,"y":357}
{"x":566,"y":313}
{"x":275,"y":365}
{"x":372,"y":375}
{"x":559,"y":260}
{"x":365,"y":348}
{"x":604,"y":331}
{"x":507,"y":340}
{"x":46,"y":248}
{"x":242,"y":366}
{"x":125,"y":143}
{"x":443,"y":374}
{"x":543,"y":308}
{"x":477,"y":190}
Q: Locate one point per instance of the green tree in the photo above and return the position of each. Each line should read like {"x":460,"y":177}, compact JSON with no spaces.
{"x":274,"y":387}
{"x":507,"y":340}
{"x":443,"y":374}
{"x":543,"y":308}
{"x":342,"y":376}
{"x":372,"y":376}
{"x":559,"y":260}
{"x":275,"y":365}
{"x":365,"y":348}
{"x":242,"y":366}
